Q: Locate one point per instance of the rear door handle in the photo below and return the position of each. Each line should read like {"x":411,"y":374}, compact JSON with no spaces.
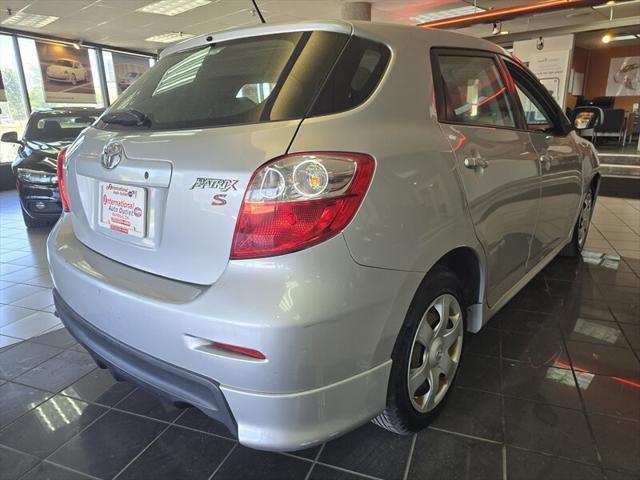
{"x":475,"y":162}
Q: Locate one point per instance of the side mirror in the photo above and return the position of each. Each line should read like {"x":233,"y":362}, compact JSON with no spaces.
{"x":10,"y":137}
{"x":586,"y":120}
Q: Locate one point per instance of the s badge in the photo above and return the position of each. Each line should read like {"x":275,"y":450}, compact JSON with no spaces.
{"x":219,"y":199}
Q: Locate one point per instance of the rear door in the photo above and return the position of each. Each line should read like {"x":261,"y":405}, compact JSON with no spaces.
{"x":158,"y":182}
{"x":559,"y":159}
{"x":495,"y":160}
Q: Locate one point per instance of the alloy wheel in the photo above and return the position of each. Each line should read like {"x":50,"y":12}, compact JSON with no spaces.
{"x":585,"y":218}
{"x":435,"y":353}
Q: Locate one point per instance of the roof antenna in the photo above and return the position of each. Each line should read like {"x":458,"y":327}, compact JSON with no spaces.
{"x":255,"y":5}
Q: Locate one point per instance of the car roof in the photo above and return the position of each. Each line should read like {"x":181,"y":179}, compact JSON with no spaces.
{"x":392,"y":34}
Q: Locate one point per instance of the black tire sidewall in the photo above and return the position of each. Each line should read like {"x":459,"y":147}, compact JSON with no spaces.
{"x":439,"y":282}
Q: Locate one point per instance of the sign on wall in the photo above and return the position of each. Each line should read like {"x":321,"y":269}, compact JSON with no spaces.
{"x":66,"y":73}
{"x":624,"y":77}
{"x":128,"y":68}
{"x":552,"y":69}
{"x":3,"y":96}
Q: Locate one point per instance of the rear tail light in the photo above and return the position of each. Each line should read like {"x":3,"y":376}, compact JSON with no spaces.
{"x":62,"y":180}
{"x":300,"y":200}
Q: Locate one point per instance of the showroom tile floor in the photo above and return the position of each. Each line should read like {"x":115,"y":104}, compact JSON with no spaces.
{"x":549,"y":389}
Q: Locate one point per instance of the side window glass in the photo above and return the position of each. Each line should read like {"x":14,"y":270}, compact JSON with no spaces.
{"x":474,"y":91}
{"x":536,"y":115}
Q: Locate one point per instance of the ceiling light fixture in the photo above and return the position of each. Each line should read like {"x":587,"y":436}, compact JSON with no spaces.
{"x":31,"y":20}
{"x":619,"y":38}
{"x":170,"y":37}
{"x":173,"y":7}
{"x":606,"y":38}
{"x":616,"y":4}
{"x":504,"y":32}
{"x":450,"y":13}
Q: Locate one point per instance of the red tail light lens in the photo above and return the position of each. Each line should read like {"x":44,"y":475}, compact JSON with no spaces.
{"x":300,"y":200}
{"x":62,"y":184}
{"x":247,"y":352}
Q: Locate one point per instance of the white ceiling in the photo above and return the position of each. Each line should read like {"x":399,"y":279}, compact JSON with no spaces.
{"x":117,"y":23}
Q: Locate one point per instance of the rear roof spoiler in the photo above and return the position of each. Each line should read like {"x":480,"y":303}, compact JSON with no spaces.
{"x":264,"y":29}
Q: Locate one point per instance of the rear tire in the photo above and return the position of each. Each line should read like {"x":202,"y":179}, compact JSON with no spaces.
{"x":439,"y":310}
{"x":581,"y":228}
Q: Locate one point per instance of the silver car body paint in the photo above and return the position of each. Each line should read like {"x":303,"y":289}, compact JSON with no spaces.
{"x":326,"y":317}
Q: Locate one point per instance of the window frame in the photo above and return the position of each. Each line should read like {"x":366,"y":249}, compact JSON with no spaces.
{"x":561,"y":126}
{"x":438,"y":85}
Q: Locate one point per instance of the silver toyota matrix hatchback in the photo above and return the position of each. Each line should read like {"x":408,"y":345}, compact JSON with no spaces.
{"x":293,"y":227}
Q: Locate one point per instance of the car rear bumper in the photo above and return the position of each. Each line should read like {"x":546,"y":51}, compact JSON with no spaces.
{"x":126,"y":363}
{"x":325,"y":324}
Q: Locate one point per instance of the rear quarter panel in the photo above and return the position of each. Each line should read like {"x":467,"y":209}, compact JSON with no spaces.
{"x":414,"y":212}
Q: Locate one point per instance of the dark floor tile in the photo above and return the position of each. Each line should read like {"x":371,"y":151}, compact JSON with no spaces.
{"x":103,"y":449}
{"x":308,"y":453}
{"x":194,"y":418}
{"x":548,"y":429}
{"x":618,"y":442}
{"x":523,"y":465}
{"x":16,"y":400}
{"x":613,"y":475}
{"x":321,"y":472}
{"x":472,"y":413}
{"x":541,"y":384}
{"x":626,"y":313}
{"x":611,"y":396}
{"x":100,"y":387}
{"x":441,"y":455}
{"x":541,"y":348}
{"x":522,"y":321}
{"x":485,"y":342}
{"x":586,"y":309}
{"x":589,"y":330}
{"x":587,"y":289}
{"x":604,"y":360}
{"x":247,"y":464}
{"x":369,"y":450}
{"x":535,"y":300}
{"x":565,"y":269}
{"x":145,"y":403}
{"x":14,"y":464}
{"x":60,"y":338}
{"x":44,"y":429}
{"x":23,"y":357}
{"x":632,"y":334}
{"x":59,"y":372}
{"x":479,"y":372}
{"x":181,"y":454}
{"x":49,"y":471}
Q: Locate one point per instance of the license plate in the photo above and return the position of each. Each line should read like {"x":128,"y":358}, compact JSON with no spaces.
{"x":123,"y":208}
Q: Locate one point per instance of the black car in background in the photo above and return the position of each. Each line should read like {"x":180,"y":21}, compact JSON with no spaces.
{"x":46,"y":133}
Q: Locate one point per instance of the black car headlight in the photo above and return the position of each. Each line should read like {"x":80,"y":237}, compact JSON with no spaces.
{"x":36,"y":176}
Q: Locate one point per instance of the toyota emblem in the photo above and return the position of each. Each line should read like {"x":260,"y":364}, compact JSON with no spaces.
{"x":111,"y":155}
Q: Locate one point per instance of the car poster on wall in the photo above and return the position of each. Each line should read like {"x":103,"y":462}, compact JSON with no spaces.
{"x":66,"y":73}
{"x":127,"y":69}
{"x":3,"y":96}
{"x":624,"y":77}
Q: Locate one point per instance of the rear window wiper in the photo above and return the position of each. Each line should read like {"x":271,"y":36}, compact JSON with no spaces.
{"x":132,"y":118}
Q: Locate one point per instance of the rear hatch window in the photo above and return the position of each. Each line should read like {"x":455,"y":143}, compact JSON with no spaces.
{"x":249,"y":80}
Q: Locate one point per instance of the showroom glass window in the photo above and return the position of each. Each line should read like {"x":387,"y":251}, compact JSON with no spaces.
{"x":13,"y":115}
{"x":474,"y":91}
{"x":35,"y":83}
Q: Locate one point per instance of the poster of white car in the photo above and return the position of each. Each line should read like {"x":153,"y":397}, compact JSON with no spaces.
{"x":127,"y":79}
{"x":66,"y":73}
{"x":67,"y":70}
